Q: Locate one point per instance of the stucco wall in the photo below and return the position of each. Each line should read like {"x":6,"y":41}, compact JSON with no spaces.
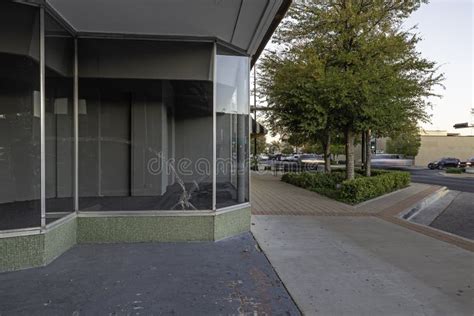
{"x":435,"y":147}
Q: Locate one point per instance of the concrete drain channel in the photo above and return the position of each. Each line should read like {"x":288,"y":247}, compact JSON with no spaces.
{"x":427,"y":210}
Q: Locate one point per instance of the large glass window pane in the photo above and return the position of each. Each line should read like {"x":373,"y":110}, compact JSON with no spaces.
{"x":232,"y":134}
{"x":145,"y":141}
{"x":59,"y":119}
{"x":20,"y":205}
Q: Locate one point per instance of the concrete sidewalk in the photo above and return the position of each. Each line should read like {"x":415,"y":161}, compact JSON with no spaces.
{"x":366,"y":266}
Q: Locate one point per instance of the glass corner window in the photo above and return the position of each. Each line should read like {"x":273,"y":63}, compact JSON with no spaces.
{"x":232,"y":128}
{"x":59,"y":120}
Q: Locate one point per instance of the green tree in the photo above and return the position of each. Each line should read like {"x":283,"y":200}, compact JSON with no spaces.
{"x":406,"y":143}
{"x":291,"y":84}
{"x":274,"y":147}
{"x":348,"y":67}
{"x":286,"y":148}
{"x":261,"y":144}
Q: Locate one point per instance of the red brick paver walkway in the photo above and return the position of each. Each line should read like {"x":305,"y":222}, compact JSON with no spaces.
{"x":271,"y":196}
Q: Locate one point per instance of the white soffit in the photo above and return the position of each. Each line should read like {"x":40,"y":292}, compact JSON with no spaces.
{"x":242,"y":23}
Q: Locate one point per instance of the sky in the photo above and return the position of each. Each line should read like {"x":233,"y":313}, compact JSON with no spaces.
{"x":447,"y":30}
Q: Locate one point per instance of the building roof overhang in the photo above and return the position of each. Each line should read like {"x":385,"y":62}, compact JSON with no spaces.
{"x":244,"y":25}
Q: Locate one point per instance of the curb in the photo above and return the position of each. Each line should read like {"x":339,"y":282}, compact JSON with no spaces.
{"x":468,"y":175}
{"x":412,"y":211}
{"x":402,"y":219}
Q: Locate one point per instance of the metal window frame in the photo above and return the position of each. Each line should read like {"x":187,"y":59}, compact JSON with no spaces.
{"x":76,"y":127}
{"x":249,"y":188}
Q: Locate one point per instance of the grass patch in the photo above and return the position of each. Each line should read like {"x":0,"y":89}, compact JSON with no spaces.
{"x":353,"y":191}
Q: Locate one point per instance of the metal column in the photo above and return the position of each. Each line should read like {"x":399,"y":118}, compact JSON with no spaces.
{"x":214,"y":128}
{"x":76,"y":129}
{"x":42,"y":122}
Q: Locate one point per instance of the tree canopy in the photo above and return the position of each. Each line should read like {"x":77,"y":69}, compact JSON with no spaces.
{"x":344,"y":67}
{"x":406,"y":142}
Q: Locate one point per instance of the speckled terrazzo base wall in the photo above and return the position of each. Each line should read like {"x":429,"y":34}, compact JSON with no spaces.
{"x":21,"y":252}
{"x":59,"y":239}
{"x":36,"y":250}
{"x":231,"y":223}
{"x":144,"y":229}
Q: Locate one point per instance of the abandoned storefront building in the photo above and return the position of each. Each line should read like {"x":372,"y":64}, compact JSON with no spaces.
{"x":125,"y":121}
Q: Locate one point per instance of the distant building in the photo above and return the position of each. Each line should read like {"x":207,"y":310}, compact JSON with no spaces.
{"x":438,"y":144}
{"x":435,"y":144}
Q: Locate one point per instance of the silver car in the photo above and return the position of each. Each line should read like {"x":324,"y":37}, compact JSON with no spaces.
{"x":391,"y":160}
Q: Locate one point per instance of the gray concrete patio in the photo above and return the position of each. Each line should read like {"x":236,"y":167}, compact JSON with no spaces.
{"x":229,"y":277}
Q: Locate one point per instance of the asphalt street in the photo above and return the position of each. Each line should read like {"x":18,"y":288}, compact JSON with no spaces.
{"x":436,"y":178}
{"x":458,"y":217}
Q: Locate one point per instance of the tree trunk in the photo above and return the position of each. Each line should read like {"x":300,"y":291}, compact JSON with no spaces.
{"x":327,"y":153}
{"x":349,"y":154}
{"x":363,"y":150}
{"x":368,"y":154}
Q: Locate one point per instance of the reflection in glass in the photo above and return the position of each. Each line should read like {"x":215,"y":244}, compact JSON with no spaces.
{"x":59,"y":119}
{"x":232,"y":134}
{"x":145,"y":144}
{"x":20,"y":205}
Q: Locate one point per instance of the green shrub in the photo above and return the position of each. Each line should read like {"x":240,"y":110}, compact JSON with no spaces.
{"x":360,"y":189}
{"x":314,"y":180}
{"x":454,"y":170}
{"x":364,"y":188}
{"x":373,"y":172}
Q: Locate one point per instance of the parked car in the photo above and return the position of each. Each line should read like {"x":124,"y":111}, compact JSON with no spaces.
{"x":263,"y":157}
{"x":469,"y":163}
{"x":390,"y":160}
{"x":277,"y":157}
{"x":447,"y":162}
{"x":293,"y":157}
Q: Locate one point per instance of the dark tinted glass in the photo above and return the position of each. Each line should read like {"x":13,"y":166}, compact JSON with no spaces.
{"x":145,"y":141}
{"x":20,"y":205}
{"x":145,"y":145}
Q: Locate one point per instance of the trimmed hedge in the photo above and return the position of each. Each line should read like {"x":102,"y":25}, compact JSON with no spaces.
{"x":454,"y":170}
{"x":366,"y":188}
{"x":314,"y":180}
{"x":354,"y":191}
